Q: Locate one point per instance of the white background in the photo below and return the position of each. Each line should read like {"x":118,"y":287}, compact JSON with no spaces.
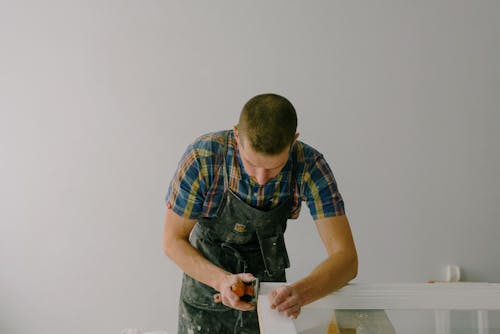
{"x":99,"y":99}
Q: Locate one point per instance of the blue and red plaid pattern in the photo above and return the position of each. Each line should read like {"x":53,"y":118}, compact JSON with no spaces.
{"x":198,"y":184}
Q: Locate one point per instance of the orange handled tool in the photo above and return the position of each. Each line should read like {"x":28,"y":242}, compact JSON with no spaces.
{"x":246,"y":291}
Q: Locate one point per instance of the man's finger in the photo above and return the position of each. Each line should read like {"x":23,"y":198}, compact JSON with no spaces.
{"x":246,"y":277}
{"x":275,"y":298}
{"x":293,"y":312}
{"x":282,"y":293}
{"x":237,"y":303}
{"x":232,"y":297}
{"x":289,"y":303}
{"x":271,"y":298}
{"x":244,"y":306}
{"x":288,"y":306}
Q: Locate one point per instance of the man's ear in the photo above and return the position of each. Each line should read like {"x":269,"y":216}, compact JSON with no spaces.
{"x":236,"y":135}
{"x":296,"y":137}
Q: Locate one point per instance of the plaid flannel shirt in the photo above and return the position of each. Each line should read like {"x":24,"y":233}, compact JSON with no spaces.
{"x":197,"y":187}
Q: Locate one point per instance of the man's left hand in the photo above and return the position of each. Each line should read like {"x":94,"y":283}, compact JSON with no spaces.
{"x":286,"y":300}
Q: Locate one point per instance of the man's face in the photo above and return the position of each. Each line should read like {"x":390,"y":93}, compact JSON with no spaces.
{"x":261,"y":168}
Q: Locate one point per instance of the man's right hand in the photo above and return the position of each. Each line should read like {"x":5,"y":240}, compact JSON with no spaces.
{"x":177,"y":247}
{"x":229,"y":298}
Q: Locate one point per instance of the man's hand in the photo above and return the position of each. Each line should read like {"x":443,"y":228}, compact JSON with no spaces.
{"x":229,"y":298}
{"x":286,"y":300}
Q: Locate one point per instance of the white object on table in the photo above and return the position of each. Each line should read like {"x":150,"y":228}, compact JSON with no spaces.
{"x":272,"y":321}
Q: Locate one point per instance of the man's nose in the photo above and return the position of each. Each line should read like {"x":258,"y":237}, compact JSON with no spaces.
{"x":262,"y":177}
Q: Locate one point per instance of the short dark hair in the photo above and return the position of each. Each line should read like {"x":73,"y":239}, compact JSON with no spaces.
{"x":269,"y":121}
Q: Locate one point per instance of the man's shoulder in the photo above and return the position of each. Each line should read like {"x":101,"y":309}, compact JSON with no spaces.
{"x":210,"y":144}
{"x":305,"y":153}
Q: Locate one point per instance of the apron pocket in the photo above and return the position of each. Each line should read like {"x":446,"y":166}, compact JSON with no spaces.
{"x":200,"y":295}
{"x":275,"y":254}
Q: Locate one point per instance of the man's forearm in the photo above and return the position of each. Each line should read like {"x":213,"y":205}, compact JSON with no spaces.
{"x":330,"y":275}
{"x":194,"y":264}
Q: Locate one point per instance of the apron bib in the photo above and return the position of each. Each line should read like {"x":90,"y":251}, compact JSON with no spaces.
{"x":240,"y":239}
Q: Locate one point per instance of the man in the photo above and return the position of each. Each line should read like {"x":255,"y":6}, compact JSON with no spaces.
{"x":227,"y":208}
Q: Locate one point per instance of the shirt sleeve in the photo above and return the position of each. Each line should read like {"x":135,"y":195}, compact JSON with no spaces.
{"x":320,"y":190}
{"x":185,"y":193}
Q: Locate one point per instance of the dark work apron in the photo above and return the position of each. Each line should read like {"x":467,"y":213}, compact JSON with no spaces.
{"x":240,"y":239}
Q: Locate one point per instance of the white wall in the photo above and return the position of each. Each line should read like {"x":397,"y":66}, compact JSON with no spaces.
{"x":98,"y":100}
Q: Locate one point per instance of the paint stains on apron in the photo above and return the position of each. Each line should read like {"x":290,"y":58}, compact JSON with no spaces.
{"x":239,"y":239}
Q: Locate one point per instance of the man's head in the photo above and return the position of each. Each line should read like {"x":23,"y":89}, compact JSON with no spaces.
{"x":268,"y":122}
{"x":265,"y":134}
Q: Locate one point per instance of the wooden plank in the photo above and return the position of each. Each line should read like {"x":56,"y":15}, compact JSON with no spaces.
{"x":406,"y":296}
{"x":414,"y":296}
